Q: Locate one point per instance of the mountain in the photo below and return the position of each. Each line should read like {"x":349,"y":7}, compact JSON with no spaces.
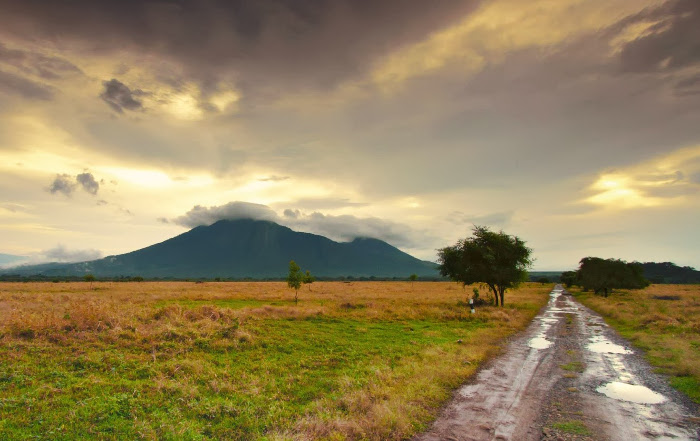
{"x":247,"y":248}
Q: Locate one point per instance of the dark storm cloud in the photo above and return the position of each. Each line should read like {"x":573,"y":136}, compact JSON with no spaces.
{"x":311,"y":42}
{"x":62,"y":183}
{"x":674,"y":42}
{"x":17,"y":85}
{"x":66,"y":184}
{"x":120,"y":97}
{"x":343,"y":227}
{"x":88,"y":182}
{"x":37,"y":64}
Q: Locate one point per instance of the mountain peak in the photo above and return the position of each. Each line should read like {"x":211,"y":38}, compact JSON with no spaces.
{"x":249,"y":248}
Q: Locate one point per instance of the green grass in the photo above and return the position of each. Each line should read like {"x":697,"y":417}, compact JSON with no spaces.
{"x":574,"y":366}
{"x":664,"y":322}
{"x":572,"y":426}
{"x":170,"y":365}
{"x":207,"y":390}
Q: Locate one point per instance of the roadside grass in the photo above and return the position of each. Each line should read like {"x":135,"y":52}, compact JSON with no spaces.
{"x":572,"y":426}
{"x":663,"y":321}
{"x":238,"y":360}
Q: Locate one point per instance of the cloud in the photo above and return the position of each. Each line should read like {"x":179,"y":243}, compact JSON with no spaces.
{"x":672,"y":41}
{"x":306,"y":43}
{"x":665,"y":180}
{"x":66,"y":184}
{"x":120,"y":97}
{"x":62,"y":254}
{"x":200,"y":215}
{"x":62,"y":183}
{"x":274,"y":178}
{"x":342,"y":227}
{"x":88,"y":182}
{"x":14,"y":84}
{"x":499,"y":219}
{"x":37,"y":64}
{"x":348,"y":227}
{"x":327,"y":203}
{"x":292,"y":214}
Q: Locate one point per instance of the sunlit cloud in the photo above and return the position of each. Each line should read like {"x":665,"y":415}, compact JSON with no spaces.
{"x":661,"y":181}
{"x":500,"y":27}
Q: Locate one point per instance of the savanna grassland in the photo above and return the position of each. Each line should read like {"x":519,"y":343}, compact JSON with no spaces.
{"x":663,"y":321}
{"x":240,"y":361}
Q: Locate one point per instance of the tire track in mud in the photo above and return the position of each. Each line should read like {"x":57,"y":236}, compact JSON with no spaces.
{"x":567,"y":377}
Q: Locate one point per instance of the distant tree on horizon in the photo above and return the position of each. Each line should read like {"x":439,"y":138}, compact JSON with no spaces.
{"x":413,"y":278}
{"x":598,"y":274}
{"x":89,"y":278}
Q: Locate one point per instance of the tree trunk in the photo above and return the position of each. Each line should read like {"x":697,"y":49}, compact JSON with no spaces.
{"x":296,"y":297}
{"x":502,"y":292}
{"x":495,"y":293}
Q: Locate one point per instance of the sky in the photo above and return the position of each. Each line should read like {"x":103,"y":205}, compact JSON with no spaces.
{"x":573,"y":124}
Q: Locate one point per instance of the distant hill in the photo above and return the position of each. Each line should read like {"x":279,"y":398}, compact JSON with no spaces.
{"x":667,"y":272}
{"x":247,"y":248}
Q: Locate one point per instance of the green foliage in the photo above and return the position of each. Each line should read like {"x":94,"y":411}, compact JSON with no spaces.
{"x":543,"y":280}
{"x":496,"y":259}
{"x":89,"y":278}
{"x":568,"y":278}
{"x":308,"y":279}
{"x":294,"y":279}
{"x":604,"y":275}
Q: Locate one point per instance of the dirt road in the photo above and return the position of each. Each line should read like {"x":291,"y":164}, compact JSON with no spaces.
{"x":568,"y":377}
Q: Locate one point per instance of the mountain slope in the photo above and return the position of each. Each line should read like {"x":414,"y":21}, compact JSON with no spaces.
{"x":248,"y":248}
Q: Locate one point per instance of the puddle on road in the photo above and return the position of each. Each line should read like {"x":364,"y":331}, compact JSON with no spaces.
{"x":539,"y":343}
{"x":631,"y":392}
{"x":602,"y":345}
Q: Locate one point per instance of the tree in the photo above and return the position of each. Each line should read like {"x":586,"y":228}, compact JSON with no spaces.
{"x":294,"y":279}
{"x":308,"y":279}
{"x":413,"y":278}
{"x":607,"y":274}
{"x":568,"y":278}
{"x":496,"y":259}
{"x":89,"y":278}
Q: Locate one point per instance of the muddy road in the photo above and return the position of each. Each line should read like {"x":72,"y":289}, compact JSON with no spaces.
{"x":567,"y":377}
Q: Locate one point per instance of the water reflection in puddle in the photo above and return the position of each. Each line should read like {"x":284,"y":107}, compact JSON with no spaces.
{"x":601,"y":344}
{"x":539,"y":343}
{"x":631,"y":392}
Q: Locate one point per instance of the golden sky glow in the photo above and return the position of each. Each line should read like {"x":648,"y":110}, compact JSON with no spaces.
{"x":558,"y":120}
{"x":657,"y":182}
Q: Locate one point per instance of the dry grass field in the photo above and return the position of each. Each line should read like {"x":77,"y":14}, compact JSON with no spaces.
{"x":662,"y":320}
{"x":218,"y":360}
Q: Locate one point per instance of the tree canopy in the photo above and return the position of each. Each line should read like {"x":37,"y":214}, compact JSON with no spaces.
{"x":498,"y":260}
{"x":604,"y":275}
{"x":294,"y":279}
